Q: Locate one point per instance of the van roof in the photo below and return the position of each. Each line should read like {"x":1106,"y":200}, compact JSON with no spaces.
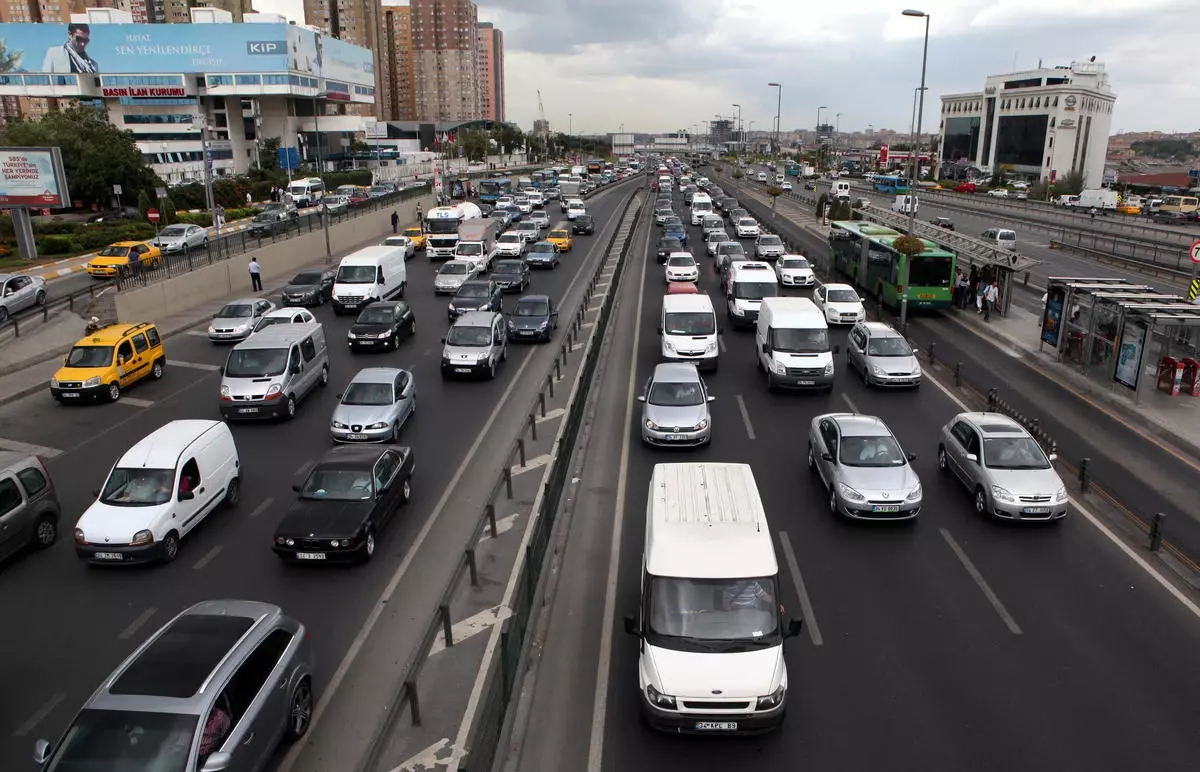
{"x":475,"y":319}
{"x":789,"y":311}
{"x":162,"y":447}
{"x":706,"y":520}
{"x":754,"y":268}
{"x":279,"y":335}
{"x":698,"y":302}
{"x":113,"y":333}
{"x":370,"y":255}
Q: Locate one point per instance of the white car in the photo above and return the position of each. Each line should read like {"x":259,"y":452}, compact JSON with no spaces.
{"x":786,"y":186}
{"x":762,"y":177}
{"x":453,"y":274}
{"x":540,"y":219}
{"x":747,"y":228}
{"x":504,"y":201}
{"x":998,"y":193}
{"x":410,"y":247}
{"x":778,"y":178}
{"x":794,"y":271}
{"x":840,"y":304}
{"x":536,"y":197}
{"x":510,"y":244}
{"x":712,"y":240}
{"x":575,"y":208}
{"x":681,"y":266}
{"x":523,"y":204}
{"x":284,"y":316}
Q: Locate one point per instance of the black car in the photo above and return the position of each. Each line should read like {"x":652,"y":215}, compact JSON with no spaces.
{"x":347,"y":499}
{"x":535,"y":317}
{"x":583,"y":225}
{"x":667,"y":245}
{"x":511,"y":275}
{"x":309,"y":288}
{"x":382,"y":326}
{"x":943,"y":222}
{"x":486,"y":209}
{"x":476,"y":295}
{"x":269,"y":223}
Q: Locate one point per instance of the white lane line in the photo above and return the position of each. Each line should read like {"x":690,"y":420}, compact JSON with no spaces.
{"x":806,"y":607}
{"x":503,"y":526}
{"x":208,"y":557}
{"x":262,"y":507}
{"x":40,"y":714}
{"x":988,"y":593}
{"x":33,"y":450}
{"x":586,"y":325}
{"x":530,"y":464}
{"x":741,"y":403}
{"x":137,"y":623}
{"x":193,"y":365}
{"x":849,"y":403}
{"x":303,"y":469}
{"x":436,"y":756}
{"x":471,"y":626}
{"x":721,"y":342}
{"x":197,"y":333}
{"x":135,"y":402}
{"x":551,"y":415}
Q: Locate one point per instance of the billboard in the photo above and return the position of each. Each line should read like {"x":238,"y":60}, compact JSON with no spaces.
{"x":315,"y":54}
{"x":33,"y":176}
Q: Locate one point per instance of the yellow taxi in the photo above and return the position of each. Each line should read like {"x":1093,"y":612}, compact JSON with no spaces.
{"x":417,"y":236}
{"x":560,"y":236}
{"x":109,"y":261}
{"x":1129,"y":207}
{"x":100,"y":365}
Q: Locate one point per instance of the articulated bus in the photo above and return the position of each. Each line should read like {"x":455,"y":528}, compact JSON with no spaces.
{"x":863,"y":252}
{"x":493,"y":188}
{"x":892,"y":183}
{"x":1179,"y":204}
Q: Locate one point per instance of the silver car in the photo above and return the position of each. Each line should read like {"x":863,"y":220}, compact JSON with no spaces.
{"x":883,"y":356}
{"x":203,"y":669}
{"x":237,"y":319}
{"x":181,"y":238}
{"x":18,"y":292}
{"x":864,"y":469}
{"x":768,"y":246}
{"x":540,"y":218}
{"x":1007,"y":472}
{"x":712,"y":240}
{"x":452,"y":275}
{"x":410,"y":248}
{"x":375,"y":406}
{"x":335,"y":204}
{"x":675,"y":407}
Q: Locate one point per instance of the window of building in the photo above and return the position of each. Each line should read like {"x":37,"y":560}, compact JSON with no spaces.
{"x":248,"y":80}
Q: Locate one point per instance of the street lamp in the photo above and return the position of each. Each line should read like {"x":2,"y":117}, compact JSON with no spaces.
{"x":741,"y":135}
{"x":778,"y":107}
{"x":321,"y":170}
{"x":912,"y":209}
{"x":817,"y":133}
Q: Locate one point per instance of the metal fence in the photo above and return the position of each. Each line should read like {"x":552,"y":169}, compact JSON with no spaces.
{"x":41,"y":314}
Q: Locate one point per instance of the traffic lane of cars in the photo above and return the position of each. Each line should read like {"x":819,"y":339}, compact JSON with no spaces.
{"x":331,"y":603}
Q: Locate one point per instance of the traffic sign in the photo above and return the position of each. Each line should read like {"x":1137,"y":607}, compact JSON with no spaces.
{"x":1195,"y":251}
{"x":152,"y":216}
{"x":1194,"y":173}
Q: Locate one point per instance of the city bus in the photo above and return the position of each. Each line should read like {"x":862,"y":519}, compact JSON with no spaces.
{"x":493,"y":188}
{"x":1179,"y":204}
{"x":595,"y":167}
{"x":862,"y":251}
{"x":891,"y":183}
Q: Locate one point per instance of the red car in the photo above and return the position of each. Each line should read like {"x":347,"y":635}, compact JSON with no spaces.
{"x":682,"y":288}
{"x":965,"y":187}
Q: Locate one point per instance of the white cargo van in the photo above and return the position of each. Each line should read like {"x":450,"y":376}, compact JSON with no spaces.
{"x":792,"y":342}
{"x":710,"y":625}
{"x":702,"y":204}
{"x":369,"y":275}
{"x":840,"y":189}
{"x":905,"y":204}
{"x":747,"y":282}
{"x":689,"y":330}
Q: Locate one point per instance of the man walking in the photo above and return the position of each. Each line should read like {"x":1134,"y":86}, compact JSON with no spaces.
{"x":255,"y":275}
{"x":395,"y":222}
{"x":990,"y":296}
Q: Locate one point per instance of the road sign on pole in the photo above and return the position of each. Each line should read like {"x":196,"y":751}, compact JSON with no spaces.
{"x":152,"y":215}
{"x":1195,"y":251}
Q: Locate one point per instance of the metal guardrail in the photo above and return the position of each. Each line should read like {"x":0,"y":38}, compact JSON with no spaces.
{"x":1104,"y":256}
{"x":42,"y":313}
{"x":493,"y":705}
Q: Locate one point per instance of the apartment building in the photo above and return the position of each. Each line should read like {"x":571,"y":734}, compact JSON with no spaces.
{"x":397,"y":92}
{"x":491,"y":71}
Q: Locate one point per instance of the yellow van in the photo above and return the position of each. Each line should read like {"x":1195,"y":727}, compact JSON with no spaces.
{"x":560,"y":236}
{"x":108,"y":360}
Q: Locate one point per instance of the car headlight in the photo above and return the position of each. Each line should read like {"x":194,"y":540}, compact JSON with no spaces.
{"x":658,"y":699}
{"x":877,"y":370}
{"x":712,"y":345}
{"x":225,"y":391}
{"x":779,"y":368}
{"x":142,"y":537}
{"x":544,"y":325}
{"x":383,"y":335}
{"x":914,"y":494}
{"x":93,"y":381}
{"x":79,"y":537}
{"x":376,"y":425}
{"x":1002,"y":494}
{"x":211,"y":330}
{"x":338,"y":425}
{"x":668,"y":346}
{"x":1061,"y":496}
{"x":483,"y":307}
{"x":736,"y":309}
{"x":849,"y":493}
{"x":702,"y":425}
{"x":772,"y":700}
{"x":512,"y":325}
{"x":54,"y":383}
{"x":450,"y":306}
{"x":651,"y":425}
{"x":274,"y":388}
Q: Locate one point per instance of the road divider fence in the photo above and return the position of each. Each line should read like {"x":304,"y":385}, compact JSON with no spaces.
{"x":41,"y":314}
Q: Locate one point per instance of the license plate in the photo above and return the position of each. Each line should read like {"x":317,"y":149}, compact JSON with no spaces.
{"x":356,"y":436}
{"x":1036,"y":510}
{"x":310,"y":555}
{"x":675,"y":437}
{"x":807,"y":383}
{"x":926,"y":297}
{"x":719,"y":726}
{"x":886,"y":508}
{"x":108,"y":556}
{"x":247,"y":410}
{"x":70,"y":394}
{"x":462,"y":369}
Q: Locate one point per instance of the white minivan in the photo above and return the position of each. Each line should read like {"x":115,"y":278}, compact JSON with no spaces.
{"x":747,"y":283}
{"x":689,"y":330}
{"x":158,"y":492}
{"x":710,"y":624}
{"x":792,"y":342}
{"x":702,"y":204}
{"x":368,"y":276}
{"x":839,"y":190}
{"x":269,"y":373}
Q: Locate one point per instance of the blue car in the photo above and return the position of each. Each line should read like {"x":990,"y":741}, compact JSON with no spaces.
{"x":678,"y":232}
{"x":514,"y":213}
{"x":543,"y":254}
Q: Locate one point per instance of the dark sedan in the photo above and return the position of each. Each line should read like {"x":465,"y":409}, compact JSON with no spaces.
{"x":382,"y":326}
{"x":475,"y":295}
{"x":943,"y":222}
{"x":583,"y":225}
{"x":511,"y":275}
{"x":543,"y":254}
{"x":346,"y":501}
{"x":535,"y":317}
{"x":667,"y":245}
{"x":309,"y":288}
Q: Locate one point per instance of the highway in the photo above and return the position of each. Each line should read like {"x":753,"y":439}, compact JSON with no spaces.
{"x":955,"y":643}
{"x":70,"y":625}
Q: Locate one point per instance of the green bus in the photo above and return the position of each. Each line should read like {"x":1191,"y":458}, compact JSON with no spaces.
{"x":863,"y":252}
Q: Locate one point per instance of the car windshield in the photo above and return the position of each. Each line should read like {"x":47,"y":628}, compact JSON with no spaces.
{"x":586,"y":219}
{"x":680,"y":394}
{"x":505,"y":267}
{"x":307,"y":279}
{"x":891,"y":346}
{"x":682,"y":261}
{"x":794,"y":262}
{"x":471,"y":249}
{"x":542,"y":248}
{"x":842,"y":296}
{"x":473,"y":291}
{"x":1013,"y":453}
{"x":356,"y":274}
{"x":670,"y":244}
{"x":746,"y":222}
{"x":376,"y":315}
{"x":453,"y":269}
{"x":509,"y":238}
{"x":111,"y":251}
{"x":755,"y":290}
{"x":690,"y":323}
{"x":119,"y":739}
{"x":412,"y":232}
{"x":368,"y":394}
{"x":469,"y":336}
{"x":235,"y":311}
{"x":871,"y":451}
{"x":256,"y":362}
{"x":770,"y":241}
{"x":559,"y":235}
{"x":172,"y":231}
{"x":532,"y":308}
{"x":731,"y":248}
{"x":789,"y":340}
{"x":90,"y":356}
{"x":1008,"y":236}
{"x":714,"y":614}
{"x":337,"y":484}
{"x":138,"y":487}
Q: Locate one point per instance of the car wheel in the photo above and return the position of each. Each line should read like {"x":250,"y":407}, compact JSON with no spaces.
{"x":368,"y":547}
{"x":412,"y":328}
{"x":812,"y":458}
{"x":114,"y":391}
{"x":981,"y":503}
{"x":45,"y":532}
{"x":233,"y":494}
{"x":943,"y":463}
{"x":156,"y":372}
{"x":492,"y":370}
{"x":40,"y":298}
{"x":770,"y":383}
{"x":170,"y":547}
{"x":291,"y":406}
{"x":324,"y":377}
{"x":300,"y":715}
{"x":406,"y":490}
{"x":395,"y":436}
{"x":833,"y":501}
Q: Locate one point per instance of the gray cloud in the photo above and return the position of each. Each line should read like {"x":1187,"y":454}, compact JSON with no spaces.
{"x":571,"y":26}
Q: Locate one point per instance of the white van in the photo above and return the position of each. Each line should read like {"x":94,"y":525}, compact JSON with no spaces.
{"x":710,"y":624}
{"x":747,"y":282}
{"x":702,"y":204}
{"x":689,"y":330}
{"x":905,"y":204}
{"x":1000,"y":237}
{"x":268,"y":374}
{"x":158,"y":492}
{"x":307,"y":191}
{"x":369,"y":275}
{"x":840,"y":189}
{"x":792,"y":342}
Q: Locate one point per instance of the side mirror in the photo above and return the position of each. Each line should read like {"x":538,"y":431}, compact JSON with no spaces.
{"x":766,"y":348}
{"x":443,"y":340}
{"x":912,"y":456}
{"x":916,"y":351}
{"x":186,"y":495}
{"x":294,"y":369}
{"x":660,"y":330}
{"x":296,"y":487}
{"x":729,"y":296}
{"x":641,"y":398}
{"x":217,"y":762}
{"x":793,"y":628}
{"x":973,"y":458}
{"x":221,"y":370}
{"x":711,"y":398}
{"x":339,"y":396}
{"x":1053,"y":456}
{"x":826,"y":457}
{"x":41,"y":752}
{"x":95,"y":493}
{"x":631,"y":626}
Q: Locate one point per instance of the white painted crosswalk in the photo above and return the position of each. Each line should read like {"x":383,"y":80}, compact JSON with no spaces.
{"x":40,"y":451}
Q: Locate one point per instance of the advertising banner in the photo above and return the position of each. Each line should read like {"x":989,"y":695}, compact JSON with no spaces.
{"x":1052,"y":316}
{"x":1129,"y":355}
{"x":326,"y":57}
{"x":33,"y":176}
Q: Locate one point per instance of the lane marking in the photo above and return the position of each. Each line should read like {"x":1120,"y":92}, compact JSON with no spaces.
{"x":137,"y":623}
{"x":806,"y":607}
{"x":193,"y":365}
{"x":33,"y":450}
{"x":436,"y":756}
{"x":532,"y":463}
{"x":197,"y":333}
{"x":587,"y":325}
{"x":40,"y":714}
{"x":135,"y":402}
{"x":741,"y":403}
{"x":551,"y":415}
{"x":208,"y":557}
{"x":503,"y":526}
{"x":850,"y":403}
{"x":471,"y":626}
{"x":303,"y":468}
{"x":263,"y":506}
{"x":988,"y":593}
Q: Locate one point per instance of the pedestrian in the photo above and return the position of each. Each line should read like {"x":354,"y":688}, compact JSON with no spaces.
{"x":980,"y":292}
{"x":255,"y":275}
{"x":964,"y":290}
{"x":420,"y":214}
{"x":991,"y":295}
{"x":249,"y":198}
{"x":395,"y":222}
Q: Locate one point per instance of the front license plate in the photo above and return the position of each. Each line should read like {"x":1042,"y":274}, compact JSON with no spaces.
{"x":108,"y":556}
{"x":719,"y":726}
{"x":356,"y":436}
{"x":462,"y":369}
{"x":70,"y":394}
{"x":675,"y":437}
{"x":310,"y":555}
{"x":886,"y":508}
{"x":807,"y":383}
{"x":247,"y":410}
{"x":1036,"y":510}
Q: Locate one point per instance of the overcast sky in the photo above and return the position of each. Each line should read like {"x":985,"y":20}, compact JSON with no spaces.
{"x":663,"y":65}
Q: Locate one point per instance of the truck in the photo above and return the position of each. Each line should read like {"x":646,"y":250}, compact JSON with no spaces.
{"x":567,"y":190}
{"x":905,"y":204}
{"x":1102,"y":199}
{"x":441,"y":228}
{"x":476,"y":240}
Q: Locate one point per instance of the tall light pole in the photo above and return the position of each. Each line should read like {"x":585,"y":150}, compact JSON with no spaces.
{"x":320,"y":170}
{"x":817,"y":133}
{"x":837,"y":130}
{"x":912,"y":209}
{"x":741,"y":135}
{"x":778,"y":107}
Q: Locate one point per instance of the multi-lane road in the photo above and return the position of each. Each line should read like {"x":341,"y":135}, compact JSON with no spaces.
{"x":68,"y":625}
{"x":954,"y":643}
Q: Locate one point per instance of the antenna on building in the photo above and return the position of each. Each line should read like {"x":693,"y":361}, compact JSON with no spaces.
{"x":1039,"y":62}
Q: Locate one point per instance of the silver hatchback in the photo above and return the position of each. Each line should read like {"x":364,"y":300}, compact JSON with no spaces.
{"x":866,"y":472}
{"x":883,"y":356}
{"x":378,"y":403}
{"x":675,"y":407}
{"x":1005,"y":469}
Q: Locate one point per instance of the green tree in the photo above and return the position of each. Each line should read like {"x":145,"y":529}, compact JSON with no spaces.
{"x":9,"y":60}
{"x":475,"y":144}
{"x":167,"y":207}
{"x":508,"y":138}
{"x":144,"y":203}
{"x":1069,"y":185}
{"x":359,"y":147}
{"x":268,"y":155}
{"x":1166,"y":148}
